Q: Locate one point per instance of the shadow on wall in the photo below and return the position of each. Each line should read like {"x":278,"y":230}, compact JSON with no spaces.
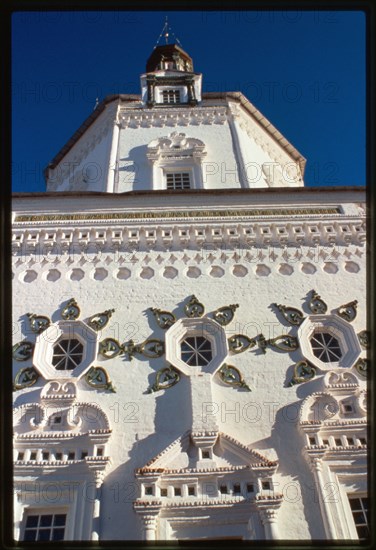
{"x":300,"y":489}
{"x":135,"y":172}
{"x":173,"y":418}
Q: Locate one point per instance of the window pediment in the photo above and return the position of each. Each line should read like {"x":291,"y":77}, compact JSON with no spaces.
{"x":175,"y":146}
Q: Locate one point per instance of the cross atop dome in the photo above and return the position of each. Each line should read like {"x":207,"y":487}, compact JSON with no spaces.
{"x":169,"y":56}
{"x":166,"y":32}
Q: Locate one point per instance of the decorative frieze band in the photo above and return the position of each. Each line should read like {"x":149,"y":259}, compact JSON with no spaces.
{"x":176,"y":214}
{"x":173,"y":117}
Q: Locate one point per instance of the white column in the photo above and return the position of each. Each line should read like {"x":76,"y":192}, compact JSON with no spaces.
{"x":99,"y":476}
{"x":240,"y":162}
{"x":150,"y":527}
{"x":113,"y":172}
{"x":317,"y":468}
{"x":17,"y":514}
{"x":96,"y":514}
{"x":269,"y":521}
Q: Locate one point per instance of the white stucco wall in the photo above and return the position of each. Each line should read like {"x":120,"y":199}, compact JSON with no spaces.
{"x":164,"y":276}
{"x":240,"y":152}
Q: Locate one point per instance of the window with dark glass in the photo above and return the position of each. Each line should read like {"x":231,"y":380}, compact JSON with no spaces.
{"x":45,"y":527}
{"x":326,"y":347}
{"x":67,"y":354}
{"x":196,"y":351}
{"x":359,"y":508}
{"x":178,"y":180}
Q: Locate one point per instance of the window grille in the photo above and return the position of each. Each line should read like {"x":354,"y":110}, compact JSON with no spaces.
{"x":170,"y":96}
{"x":196,"y":351}
{"x":359,"y":508}
{"x":326,"y":347}
{"x":67,"y":354}
{"x":178,"y":180}
{"x":45,"y":527}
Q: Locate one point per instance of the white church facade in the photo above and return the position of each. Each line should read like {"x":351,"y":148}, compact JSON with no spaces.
{"x":190,"y":340}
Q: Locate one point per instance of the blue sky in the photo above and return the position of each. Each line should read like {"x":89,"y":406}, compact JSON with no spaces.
{"x":304,"y":70}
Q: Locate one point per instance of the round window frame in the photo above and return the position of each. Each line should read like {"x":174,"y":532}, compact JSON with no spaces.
{"x":202,"y":326}
{"x":343,"y":331}
{"x":63,"y":330}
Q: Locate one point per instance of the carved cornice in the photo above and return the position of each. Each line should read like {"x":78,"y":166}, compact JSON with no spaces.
{"x":175,"y":214}
{"x":262,"y":466}
{"x":143,"y":505}
{"x":61,"y":435}
{"x":172,"y":117}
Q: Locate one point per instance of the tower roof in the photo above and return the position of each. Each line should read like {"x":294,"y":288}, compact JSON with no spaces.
{"x":171,"y":54}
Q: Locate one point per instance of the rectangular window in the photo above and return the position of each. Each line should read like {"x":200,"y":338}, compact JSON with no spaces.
{"x":170,"y":96}
{"x":177,"y":491}
{"x":45,"y":527}
{"x":178,"y":180}
{"x":191,"y":491}
{"x":237,"y":490}
{"x":359,"y":508}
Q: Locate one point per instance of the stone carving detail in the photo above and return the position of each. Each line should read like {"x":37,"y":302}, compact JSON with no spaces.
{"x":316,"y":304}
{"x":164,"y":379}
{"x":98,"y":378}
{"x":303,"y":372}
{"x":231,"y":376}
{"x":38,"y":323}
{"x":348,"y":311}
{"x":239,"y":343}
{"x":364,"y":339}
{"x":23,"y":351}
{"x":362,"y":365}
{"x":176,"y":145}
{"x":284,"y":342}
{"x":291,"y":314}
{"x":165,"y":319}
{"x":340,"y":379}
{"x":194,"y":308}
{"x":25,"y":377}
{"x":224,"y":315}
{"x":100,"y":320}
{"x":71,"y":311}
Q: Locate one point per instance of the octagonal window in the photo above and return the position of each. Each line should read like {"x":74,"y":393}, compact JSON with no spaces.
{"x":196,"y":351}
{"x":66,"y":349}
{"x":196,"y":346}
{"x":328,"y":341}
{"x":67,"y":354}
{"x":326,"y":347}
